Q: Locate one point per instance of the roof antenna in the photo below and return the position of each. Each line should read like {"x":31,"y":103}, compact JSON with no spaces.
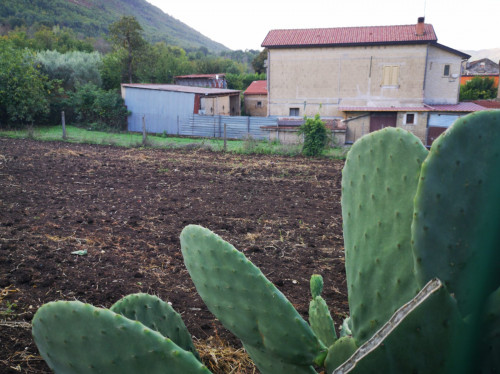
{"x":425,"y":6}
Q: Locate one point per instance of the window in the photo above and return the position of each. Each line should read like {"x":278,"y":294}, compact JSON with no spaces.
{"x":294,"y":112}
{"x":390,"y":76}
{"x":410,"y":119}
{"x":446,"y":71}
{"x":259,"y":104}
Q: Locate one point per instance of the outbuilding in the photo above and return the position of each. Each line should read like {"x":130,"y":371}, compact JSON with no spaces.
{"x":163,"y":107}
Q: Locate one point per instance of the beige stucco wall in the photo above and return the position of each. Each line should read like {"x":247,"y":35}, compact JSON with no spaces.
{"x":320,"y":80}
{"x":358,"y":124}
{"x":251,"y":108}
{"x":419,"y":129}
{"x":218,"y":105}
{"x":440,"y":89}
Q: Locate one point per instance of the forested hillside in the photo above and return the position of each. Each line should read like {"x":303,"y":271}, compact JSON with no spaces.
{"x":92,"y":18}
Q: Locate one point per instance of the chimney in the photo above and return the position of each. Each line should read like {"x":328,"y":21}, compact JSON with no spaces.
{"x":420,"y":26}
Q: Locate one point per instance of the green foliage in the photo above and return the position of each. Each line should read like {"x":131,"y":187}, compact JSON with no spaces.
{"x":316,"y":136}
{"x":478,"y":88}
{"x":242,"y":81}
{"x":97,"y":108}
{"x":160,"y":63}
{"x":126,"y":34}
{"x":72,"y":68}
{"x":23,"y":89}
{"x":258,"y":62}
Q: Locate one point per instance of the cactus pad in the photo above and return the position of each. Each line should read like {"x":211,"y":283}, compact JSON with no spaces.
{"x":159,"y":316}
{"x":457,"y":211}
{"x":271,"y":365}
{"x":73,"y":337}
{"x":379,"y":181}
{"x":321,"y":321}
{"x":340,"y":352}
{"x":417,"y":339}
{"x":242,"y":298}
{"x":316,"y":284}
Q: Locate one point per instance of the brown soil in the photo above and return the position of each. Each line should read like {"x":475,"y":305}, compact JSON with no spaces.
{"x":127,"y":207}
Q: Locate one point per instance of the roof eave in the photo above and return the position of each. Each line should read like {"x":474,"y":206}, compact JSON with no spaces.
{"x":328,"y":45}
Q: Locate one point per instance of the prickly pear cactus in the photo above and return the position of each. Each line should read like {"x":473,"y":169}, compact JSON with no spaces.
{"x":340,"y":352}
{"x":457,"y":210}
{"x":379,"y":181}
{"x":417,"y":339}
{"x":319,"y":315}
{"x":246,"y":303}
{"x":272,"y":365}
{"x":73,"y":337}
{"x":159,"y":316}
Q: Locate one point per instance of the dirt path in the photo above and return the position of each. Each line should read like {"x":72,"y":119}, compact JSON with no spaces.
{"x":126,"y":209}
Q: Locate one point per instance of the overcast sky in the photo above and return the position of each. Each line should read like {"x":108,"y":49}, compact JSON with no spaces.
{"x":459,"y":24}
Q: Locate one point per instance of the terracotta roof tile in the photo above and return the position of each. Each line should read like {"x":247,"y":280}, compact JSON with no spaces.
{"x":257,"y":88}
{"x":348,"y":36}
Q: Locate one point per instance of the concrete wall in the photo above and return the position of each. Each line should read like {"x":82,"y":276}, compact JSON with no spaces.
{"x":419,"y":128}
{"x":441,"y":89}
{"x":319,"y":80}
{"x":252,"y":108}
{"x":358,"y":124}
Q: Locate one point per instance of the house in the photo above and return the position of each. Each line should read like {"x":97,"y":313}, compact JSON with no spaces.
{"x":371,"y":77}
{"x":163,"y":107}
{"x":255,"y":99}
{"x":484,"y":68}
{"x":202,"y":80}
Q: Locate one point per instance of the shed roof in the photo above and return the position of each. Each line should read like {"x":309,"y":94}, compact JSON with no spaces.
{"x":198,"y":76}
{"x":460,"y":107}
{"x":491,"y":104}
{"x":185,"y":89}
{"x":341,"y":36}
{"x":257,"y":88}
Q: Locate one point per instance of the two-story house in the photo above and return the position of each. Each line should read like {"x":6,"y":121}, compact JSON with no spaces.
{"x":371,"y":77}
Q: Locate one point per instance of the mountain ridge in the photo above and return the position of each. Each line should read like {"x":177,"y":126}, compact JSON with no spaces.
{"x":93,"y":17}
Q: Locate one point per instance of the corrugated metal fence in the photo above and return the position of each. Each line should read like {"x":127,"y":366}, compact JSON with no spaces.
{"x":236,"y":127}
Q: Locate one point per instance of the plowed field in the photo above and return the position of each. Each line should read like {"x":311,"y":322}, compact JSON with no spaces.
{"x":125,"y":209}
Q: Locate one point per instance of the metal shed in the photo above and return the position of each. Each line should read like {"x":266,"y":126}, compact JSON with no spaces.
{"x":165,"y":107}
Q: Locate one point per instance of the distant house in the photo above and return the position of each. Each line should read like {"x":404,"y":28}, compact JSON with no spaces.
{"x":255,"y":99}
{"x":202,"y":80}
{"x":163,"y":107}
{"x":482,"y":68}
{"x":369,"y":77}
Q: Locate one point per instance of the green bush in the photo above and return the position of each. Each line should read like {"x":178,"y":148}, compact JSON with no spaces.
{"x":478,"y":88}
{"x":316,"y":136}
{"x":98,"y":109}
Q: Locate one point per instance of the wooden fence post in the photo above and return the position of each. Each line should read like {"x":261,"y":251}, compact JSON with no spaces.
{"x":144,"y":134}
{"x":225,"y":139}
{"x":63,"y":120}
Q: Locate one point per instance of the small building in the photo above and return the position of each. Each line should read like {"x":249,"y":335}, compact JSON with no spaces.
{"x":484,"y":68}
{"x":202,"y":80}
{"x":255,"y":99}
{"x":164,"y":106}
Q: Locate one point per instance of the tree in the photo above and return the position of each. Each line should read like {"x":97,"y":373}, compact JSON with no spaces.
{"x":127,"y":34}
{"x":258,"y":62}
{"x":24,"y":90}
{"x":478,"y":88}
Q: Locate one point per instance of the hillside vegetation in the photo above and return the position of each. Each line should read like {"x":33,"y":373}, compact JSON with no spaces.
{"x":92,"y":18}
